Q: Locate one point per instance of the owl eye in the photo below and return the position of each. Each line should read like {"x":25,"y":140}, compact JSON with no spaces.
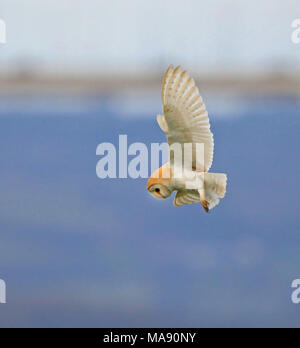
{"x":157,"y":190}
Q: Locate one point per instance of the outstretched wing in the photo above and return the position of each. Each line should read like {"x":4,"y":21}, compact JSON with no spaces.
{"x":185,"y":119}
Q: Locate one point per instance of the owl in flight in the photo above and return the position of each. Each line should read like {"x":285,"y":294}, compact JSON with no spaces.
{"x":185,"y":121}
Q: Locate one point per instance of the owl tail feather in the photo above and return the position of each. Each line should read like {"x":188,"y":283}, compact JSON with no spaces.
{"x":214,"y":189}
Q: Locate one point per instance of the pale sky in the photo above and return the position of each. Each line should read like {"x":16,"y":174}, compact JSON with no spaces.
{"x":117,"y":35}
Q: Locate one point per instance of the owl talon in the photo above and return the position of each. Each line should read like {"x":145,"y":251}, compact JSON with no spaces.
{"x":205,"y":206}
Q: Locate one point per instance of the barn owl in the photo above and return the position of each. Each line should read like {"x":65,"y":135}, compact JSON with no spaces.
{"x":185,"y":121}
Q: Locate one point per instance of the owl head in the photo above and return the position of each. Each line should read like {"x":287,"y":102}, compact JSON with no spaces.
{"x":159,"y":183}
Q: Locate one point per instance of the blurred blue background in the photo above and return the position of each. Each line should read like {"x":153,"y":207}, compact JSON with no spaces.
{"x":76,"y":250}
